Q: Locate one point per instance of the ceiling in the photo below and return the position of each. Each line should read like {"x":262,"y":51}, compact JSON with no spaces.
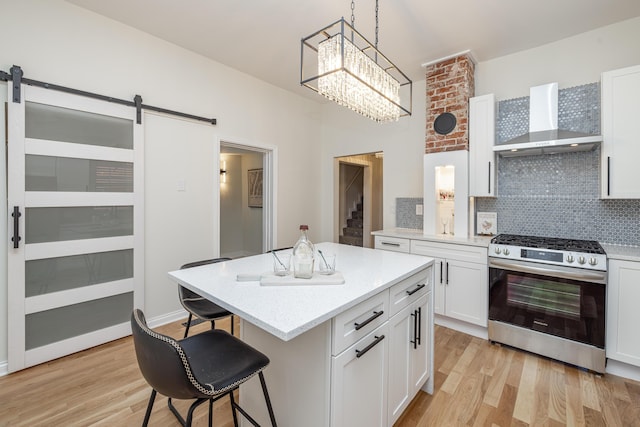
{"x":262,"y":37}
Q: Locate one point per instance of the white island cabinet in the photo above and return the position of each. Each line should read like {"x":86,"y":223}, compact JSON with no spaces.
{"x":623,"y":316}
{"x":331,"y":346}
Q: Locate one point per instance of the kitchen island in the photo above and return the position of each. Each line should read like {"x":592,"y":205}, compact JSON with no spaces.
{"x":317,"y":335}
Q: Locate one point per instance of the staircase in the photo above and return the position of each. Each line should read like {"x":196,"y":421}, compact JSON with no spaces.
{"x":353,"y":232}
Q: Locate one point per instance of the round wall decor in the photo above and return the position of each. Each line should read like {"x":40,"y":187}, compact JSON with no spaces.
{"x":444,"y":123}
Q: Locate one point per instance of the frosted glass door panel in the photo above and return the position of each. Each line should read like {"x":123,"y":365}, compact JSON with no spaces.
{"x":48,"y":275}
{"x":54,"y":325}
{"x":77,"y":223}
{"x":45,"y":173}
{"x":66,"y":125}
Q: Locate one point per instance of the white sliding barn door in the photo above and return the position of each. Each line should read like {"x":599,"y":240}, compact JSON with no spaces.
{"x":75,"y":175}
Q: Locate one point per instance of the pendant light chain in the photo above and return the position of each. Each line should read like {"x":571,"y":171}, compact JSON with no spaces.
{"x":353,"y":17}
{"x":376,"y":24}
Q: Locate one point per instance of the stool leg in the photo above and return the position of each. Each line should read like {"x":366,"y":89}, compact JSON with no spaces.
{"x":210,"y":412}
{"x":232,"y":322}
{"x":233,"y":409}
{"x":266,"y":398}
{"x":186,"y":331}
{"x":147,"y":415}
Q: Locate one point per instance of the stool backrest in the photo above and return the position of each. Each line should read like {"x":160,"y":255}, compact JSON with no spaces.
{"x":161,"y":360}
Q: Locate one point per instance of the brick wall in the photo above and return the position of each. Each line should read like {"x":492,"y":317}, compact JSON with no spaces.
{"x":450,"y":84}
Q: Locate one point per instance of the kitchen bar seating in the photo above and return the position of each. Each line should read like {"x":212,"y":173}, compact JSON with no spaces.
{"x":201,"y":307}
{"x":204,"y":367}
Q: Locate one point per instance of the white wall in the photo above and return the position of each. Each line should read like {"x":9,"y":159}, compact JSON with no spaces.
{"x":60,"y":43}
{"x":570,"y":62}
{"x":346,"y":133}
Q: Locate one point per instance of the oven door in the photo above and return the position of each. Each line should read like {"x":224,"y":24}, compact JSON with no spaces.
{"x":562,"y":301}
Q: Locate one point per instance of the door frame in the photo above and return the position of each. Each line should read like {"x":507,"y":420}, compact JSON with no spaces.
{"x":269,"y":191}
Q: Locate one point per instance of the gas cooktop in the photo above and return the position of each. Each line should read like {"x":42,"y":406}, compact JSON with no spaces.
{"x":556,"y":243}
{"x":586,"y":254}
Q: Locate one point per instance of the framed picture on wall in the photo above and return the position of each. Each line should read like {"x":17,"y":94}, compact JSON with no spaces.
{"x":255,"y":188}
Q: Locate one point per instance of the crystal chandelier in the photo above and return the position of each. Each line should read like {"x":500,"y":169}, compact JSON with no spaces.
{"x":354,"y":73}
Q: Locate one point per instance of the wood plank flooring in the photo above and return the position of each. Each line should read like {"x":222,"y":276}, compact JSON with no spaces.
{"x":476,"y":384}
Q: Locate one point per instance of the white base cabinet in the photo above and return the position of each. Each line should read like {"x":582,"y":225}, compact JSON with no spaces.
{"x":623,"y":316}
{"x":341,"y":373}
{"x":359,"y":382}
{"x":461,"y":289}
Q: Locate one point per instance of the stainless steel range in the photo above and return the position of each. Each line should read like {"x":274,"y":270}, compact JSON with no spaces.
{"x":547,"y":296}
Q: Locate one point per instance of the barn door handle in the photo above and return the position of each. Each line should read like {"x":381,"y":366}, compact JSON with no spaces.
{"x":16,"y":227}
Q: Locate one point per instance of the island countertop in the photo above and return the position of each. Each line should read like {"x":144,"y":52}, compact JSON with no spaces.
{"x":288,"y":311}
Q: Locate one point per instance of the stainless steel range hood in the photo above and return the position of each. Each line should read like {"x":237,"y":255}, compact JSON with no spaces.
{"x":544,"y":137}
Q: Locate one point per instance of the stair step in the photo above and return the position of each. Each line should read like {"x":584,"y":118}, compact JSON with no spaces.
{"x":355,"y":223}
{"x":357,"y":214}
{"x":354,"y":232}
{"x":351,"y":240}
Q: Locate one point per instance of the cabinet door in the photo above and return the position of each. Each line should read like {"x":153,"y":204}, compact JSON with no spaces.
{"x":620,"y":133}
{"x":623,"y":316}
{"x":420,"y":356}
{"x":439,"y":285}
{"x":466,"y":291}
{"x":401,"y":332}
{"x":482,"y":165}
{"x":359,"y":382}
{"x":409,"y":339}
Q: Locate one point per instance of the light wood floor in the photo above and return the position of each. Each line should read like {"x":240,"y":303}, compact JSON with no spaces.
{"x":475,"y":384}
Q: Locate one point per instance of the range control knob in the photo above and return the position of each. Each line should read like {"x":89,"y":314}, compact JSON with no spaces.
{"x":506,"y":251}
{"x":497,"y":250}
{"x":581,"y":260}
{"x":593,"y":261}
{"x":570,"y":259}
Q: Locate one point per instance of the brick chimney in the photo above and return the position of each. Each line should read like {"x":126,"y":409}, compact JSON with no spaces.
{"x":450,"y":84}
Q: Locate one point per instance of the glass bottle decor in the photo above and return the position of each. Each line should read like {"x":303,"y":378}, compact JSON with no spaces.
{"x":303,"y":254}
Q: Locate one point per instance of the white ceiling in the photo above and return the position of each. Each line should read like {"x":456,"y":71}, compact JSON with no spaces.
{"x":262,"y":37}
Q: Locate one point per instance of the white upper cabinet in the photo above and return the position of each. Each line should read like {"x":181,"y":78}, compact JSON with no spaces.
{"x":482,"y":164}
{"x":620,"y":134}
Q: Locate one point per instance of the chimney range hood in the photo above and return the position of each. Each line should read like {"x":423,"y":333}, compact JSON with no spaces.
{"x":544,"y":137}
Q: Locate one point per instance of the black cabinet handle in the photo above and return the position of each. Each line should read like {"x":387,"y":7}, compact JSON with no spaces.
{"x":420,"y":286}
{"x":376,"y":314}
{"x":608,"y":175}
{"x":16,"y":226}
{"x":441,"y":272}
{"x":447,"y":272}
{"x":415,"y":329}
{"x":419,"y":337}
{"x":360,"y":353}
{"x":489,"y":191}
{"x":397,"y":245}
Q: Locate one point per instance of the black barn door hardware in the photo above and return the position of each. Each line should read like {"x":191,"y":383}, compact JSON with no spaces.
{"x":16,"y":74}
{"x":16,"y":227}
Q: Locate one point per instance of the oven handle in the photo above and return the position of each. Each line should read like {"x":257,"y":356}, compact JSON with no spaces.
{"x":561,"y":272}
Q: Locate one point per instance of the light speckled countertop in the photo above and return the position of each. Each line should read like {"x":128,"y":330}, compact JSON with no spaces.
{"x":620,"y":252}
{"x":288,"y":311}
{"x":624,"y":253}
{"x":408,"y":233}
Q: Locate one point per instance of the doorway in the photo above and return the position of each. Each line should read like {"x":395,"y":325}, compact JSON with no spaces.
{"x":246,"y":200}
{"x":359,"y":198}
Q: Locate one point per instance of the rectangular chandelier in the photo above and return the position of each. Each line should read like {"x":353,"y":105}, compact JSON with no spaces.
{"x":349,"y":70}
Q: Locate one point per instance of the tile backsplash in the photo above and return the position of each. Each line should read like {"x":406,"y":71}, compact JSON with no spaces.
{"x":551,"y":195}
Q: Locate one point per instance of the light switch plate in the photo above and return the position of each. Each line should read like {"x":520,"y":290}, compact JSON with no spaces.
{"x":419,"y":210}
{"x":181,"y":185}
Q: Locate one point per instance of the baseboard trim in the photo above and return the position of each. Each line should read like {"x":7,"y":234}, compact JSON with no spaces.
{"x":460,"y":326}
{"x":163,"y":319}
{"x":624,"y":370}
{"x":4,"y":368}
